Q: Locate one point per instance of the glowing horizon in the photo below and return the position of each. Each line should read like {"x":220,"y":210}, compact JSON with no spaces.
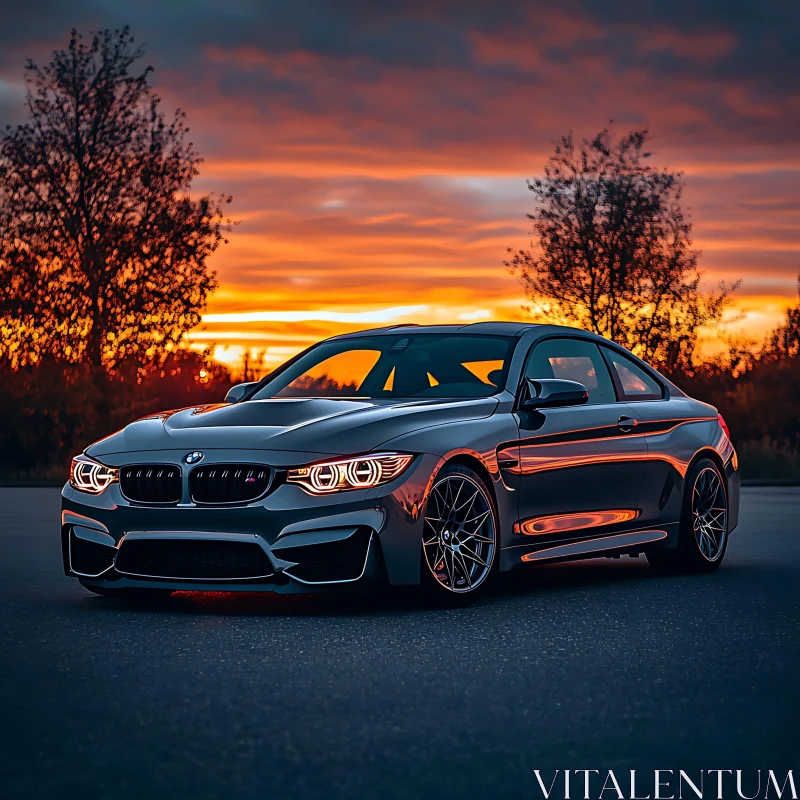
{"x":263,"y":343}
{"x":378,"y":157}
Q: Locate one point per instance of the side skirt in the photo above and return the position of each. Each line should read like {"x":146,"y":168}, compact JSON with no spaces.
{"x":633,"y":541}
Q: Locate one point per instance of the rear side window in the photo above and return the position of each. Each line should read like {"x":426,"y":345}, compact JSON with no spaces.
{"x":632,"y":381}
{"x":573,"y":360}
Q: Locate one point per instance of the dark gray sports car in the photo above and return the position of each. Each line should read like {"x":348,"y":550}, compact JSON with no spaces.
{"x":439,"y":455}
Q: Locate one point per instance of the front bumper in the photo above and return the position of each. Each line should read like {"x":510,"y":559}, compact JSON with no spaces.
{"x":287,"y":542}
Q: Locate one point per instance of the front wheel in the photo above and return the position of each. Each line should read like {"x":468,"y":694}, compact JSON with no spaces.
{"x":460,"y":534}
{"x":703,"y":534}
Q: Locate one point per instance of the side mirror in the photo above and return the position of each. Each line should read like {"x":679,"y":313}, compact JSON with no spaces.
{"x":237,"y":392}
{"x":552,"y":393}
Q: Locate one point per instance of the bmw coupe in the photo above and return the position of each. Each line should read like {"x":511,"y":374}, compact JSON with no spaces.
{"x":441,"y":455}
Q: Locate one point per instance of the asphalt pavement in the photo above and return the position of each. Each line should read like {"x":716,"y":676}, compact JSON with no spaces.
{"x":599,"y":665}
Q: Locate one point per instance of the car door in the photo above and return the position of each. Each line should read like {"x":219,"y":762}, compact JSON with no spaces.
{"x":669,"y":426}
{"x":581,"y":467}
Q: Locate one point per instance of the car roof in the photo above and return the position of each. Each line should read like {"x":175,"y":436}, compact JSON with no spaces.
{"x":499,"y":328}
{"x":474,"y":328}
{"x":490,"y":328}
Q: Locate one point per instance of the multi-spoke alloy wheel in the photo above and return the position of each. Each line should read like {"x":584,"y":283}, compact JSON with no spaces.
{"x":460,"y":536}
{"x":709,"y":513}
{"x":703,"y":533}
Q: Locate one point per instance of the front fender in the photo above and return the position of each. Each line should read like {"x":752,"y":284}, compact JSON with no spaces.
{"x":474,"y":443}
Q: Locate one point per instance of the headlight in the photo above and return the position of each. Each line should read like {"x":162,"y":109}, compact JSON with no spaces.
{"x":89,"y":476}
{"x":355,"y":472}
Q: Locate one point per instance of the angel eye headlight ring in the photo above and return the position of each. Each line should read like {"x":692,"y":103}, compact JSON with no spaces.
{"x":324,"y":478}
{"x":351,"y":472}
{"x":90,"y":476}
{"x":364,"y":472}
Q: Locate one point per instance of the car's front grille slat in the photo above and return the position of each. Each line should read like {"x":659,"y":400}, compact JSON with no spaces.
{"x":220,"y":484}
{"x":151,"y":483}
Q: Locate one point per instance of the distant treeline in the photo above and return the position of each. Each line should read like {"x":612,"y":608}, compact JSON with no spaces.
{"x":761,"y":406}
{"x":51,"y":412}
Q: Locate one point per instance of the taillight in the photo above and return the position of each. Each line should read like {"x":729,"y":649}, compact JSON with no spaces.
{"x":724,"y":425}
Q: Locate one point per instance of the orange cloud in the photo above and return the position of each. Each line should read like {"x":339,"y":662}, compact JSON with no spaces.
{"x":378,"y":158}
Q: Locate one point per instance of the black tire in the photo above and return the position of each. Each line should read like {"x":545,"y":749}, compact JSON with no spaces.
{"x":459,"y":578}
{"x":703,"y":532}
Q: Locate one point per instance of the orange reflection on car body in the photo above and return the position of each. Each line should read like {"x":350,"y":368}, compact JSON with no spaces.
{"x":560,"y":523}
{"x":530,"y":463}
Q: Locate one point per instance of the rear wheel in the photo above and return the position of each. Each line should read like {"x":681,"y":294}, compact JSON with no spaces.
{"x":703,"y":535}
{"x":460,"y":538}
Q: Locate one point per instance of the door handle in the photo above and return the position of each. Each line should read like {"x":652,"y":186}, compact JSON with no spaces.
{"x":627,"y":424}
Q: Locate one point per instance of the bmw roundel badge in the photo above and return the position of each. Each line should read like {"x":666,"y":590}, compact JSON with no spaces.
{"x":193,"y":458}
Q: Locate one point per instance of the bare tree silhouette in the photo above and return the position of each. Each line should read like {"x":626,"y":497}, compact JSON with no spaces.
{"x":783,"y":344}
{"x":103,"y":254}
{"x":612,"y":250}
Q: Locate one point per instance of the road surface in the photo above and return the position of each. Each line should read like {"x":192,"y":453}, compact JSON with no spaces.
{"x":597,"y":665}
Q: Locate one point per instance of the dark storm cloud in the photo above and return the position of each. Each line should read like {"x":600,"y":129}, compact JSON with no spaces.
{"x":420,"y":33}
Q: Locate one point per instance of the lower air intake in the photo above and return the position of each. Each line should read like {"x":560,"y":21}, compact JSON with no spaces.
{"x":329,"y":562}
{"x":89,"y":558}
{"x":200,"y":559}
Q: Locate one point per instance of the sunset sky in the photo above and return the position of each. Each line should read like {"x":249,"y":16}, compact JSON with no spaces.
{"x":377,"y":151}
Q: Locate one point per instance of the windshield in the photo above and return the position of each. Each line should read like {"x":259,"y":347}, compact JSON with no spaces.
{"x":422,"y":365}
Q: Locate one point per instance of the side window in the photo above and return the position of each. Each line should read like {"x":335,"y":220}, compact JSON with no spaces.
{"x":633,"y":382}
{"x":573,"y":360}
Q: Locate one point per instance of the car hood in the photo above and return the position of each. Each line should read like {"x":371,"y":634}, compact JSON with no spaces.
{"x":310,"y":425}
